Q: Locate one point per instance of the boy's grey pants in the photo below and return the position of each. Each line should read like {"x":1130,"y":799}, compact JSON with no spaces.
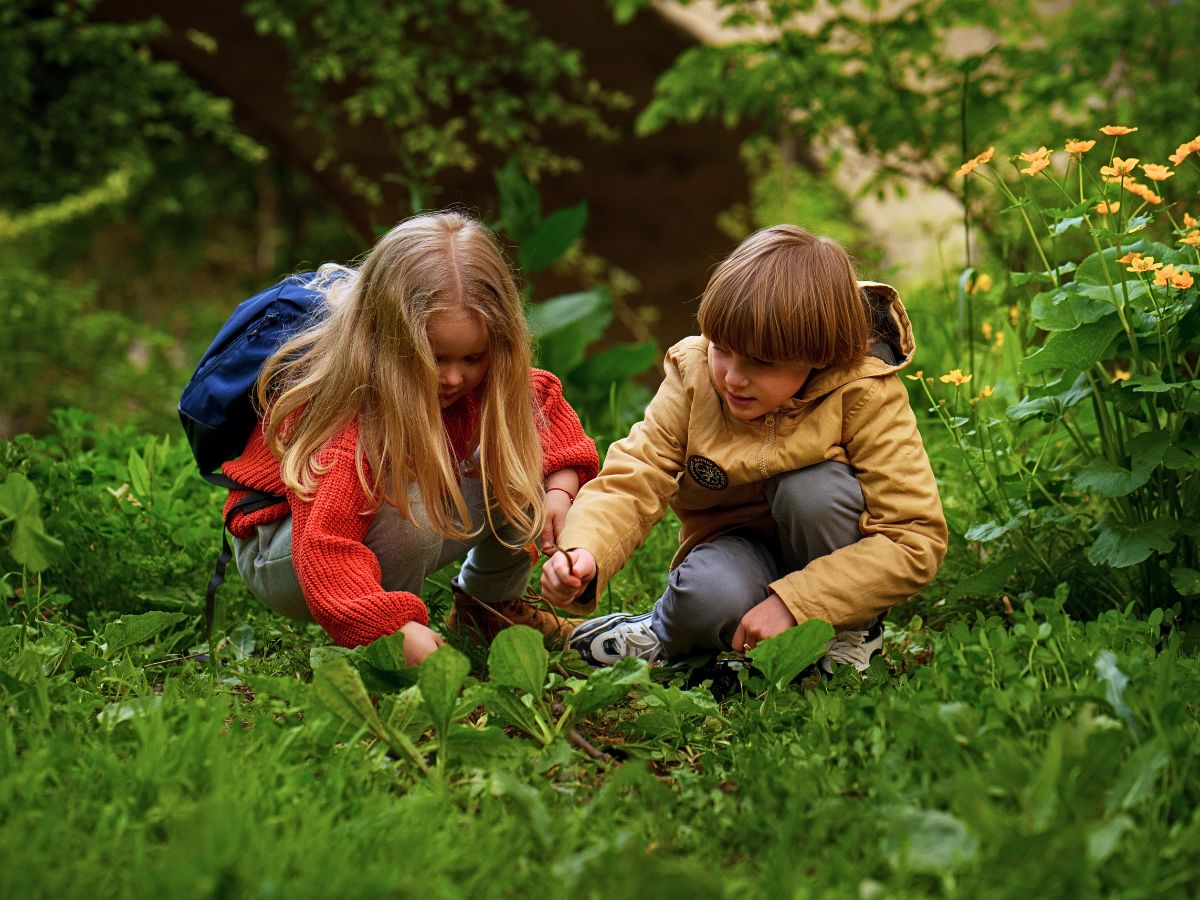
{"x":816,"y":511}
{"x":407,"y":554}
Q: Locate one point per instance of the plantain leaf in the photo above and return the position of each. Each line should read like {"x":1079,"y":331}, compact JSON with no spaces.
{"x":442,"y":675}
{"x":783,"y":657}
{"x":338,"y":688}
{"x":519,"y":659}
{"x":552,"y":237}
{"x":606,"y":686}
{"x":129,"y":630}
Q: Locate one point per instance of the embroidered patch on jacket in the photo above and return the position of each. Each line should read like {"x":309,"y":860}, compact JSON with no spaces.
{"x":707,"y":473}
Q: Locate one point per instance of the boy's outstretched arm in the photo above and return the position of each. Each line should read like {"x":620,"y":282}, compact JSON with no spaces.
{"x":566,"y":574}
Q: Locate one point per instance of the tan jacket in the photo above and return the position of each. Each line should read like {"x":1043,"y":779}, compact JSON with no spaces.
{"x":711,"y":468}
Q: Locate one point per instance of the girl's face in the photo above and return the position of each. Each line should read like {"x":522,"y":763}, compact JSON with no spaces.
{"x":462,"y":351}
{"x":754,"y":387}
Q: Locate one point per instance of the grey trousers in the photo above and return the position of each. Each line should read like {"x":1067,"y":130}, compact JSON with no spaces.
{"x":408,"y":552}
{"x":816,"y":511}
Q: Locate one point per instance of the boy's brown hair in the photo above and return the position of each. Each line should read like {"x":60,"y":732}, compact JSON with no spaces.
{"x":785,"y":294}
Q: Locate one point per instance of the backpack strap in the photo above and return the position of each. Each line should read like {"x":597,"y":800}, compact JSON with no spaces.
{"x":252,"y":502}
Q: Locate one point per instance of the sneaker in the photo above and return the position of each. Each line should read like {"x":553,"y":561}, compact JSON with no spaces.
{"x":487,"y":620}
{"x":605,"y":640}
{"x":853,"y":647}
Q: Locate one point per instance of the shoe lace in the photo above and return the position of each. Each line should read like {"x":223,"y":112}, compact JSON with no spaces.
{"x":637,"y":640}
{"x":847,"y":648}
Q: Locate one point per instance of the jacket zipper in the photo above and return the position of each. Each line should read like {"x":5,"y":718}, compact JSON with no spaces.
{"x":762,"y":450}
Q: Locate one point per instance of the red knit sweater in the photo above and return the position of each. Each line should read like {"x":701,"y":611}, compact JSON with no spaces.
{"x":339,"y":576}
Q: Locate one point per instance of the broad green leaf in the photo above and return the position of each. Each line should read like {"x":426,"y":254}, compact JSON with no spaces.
{"x":990,"y":531}
{"x":18,"y":497}
{"x":605,"y":687}
{"x":783,"y":657}
{"x":338,"y":687}
{"x":1108,"y":480}
{"x":32,"y":547}
{"x":402,"y":709}
{"x":1064,"y":225}
{"x":564,"y":326}
{"x":129,"y":630}
{"x":1119,"y":545}
{"x":442,"y":675}
{"x":124,"y":710}
{"x":519,"y":201}
{"x":519,"y":659}
{"x":1065,"y":309}
{"x":617,"y":363}
{"x":990,"y":579}
{"x":1051,"y":405}
{"x":928,"y":841}
{"x":386,"y":653}
{"x":484,"y":748}
{"x":1152,"y":384}
{"x":293,"y":690}
{"x":1186,"y":581}
{"x":1091,"y":270}
{"x":553,"y":237}
{"x":241,"y":640}
{"x":1075,"y":350}
{"x":323,"y":654}
{"x":1137,"y":223}
{"x":508,"y":707}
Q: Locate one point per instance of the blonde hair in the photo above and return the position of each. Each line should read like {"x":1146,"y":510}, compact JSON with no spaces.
{"x":369,"y":359}
{"x":783,"y":295}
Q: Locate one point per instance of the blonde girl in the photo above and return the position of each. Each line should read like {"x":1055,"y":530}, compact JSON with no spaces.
{"x":406,"y":430}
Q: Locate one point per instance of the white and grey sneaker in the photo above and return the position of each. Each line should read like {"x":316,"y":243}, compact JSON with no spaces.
{"x":605,"y":640}
{"x":853,"y":647}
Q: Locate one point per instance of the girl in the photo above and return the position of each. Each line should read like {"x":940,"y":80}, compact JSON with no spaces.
{"x":406,"y":430}
{"x":784,"y":440}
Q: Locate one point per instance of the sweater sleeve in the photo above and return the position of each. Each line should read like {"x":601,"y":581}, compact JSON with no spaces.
{"x":564,"y":444}
{"x":904,"y":530}
{"x":338,"y":574}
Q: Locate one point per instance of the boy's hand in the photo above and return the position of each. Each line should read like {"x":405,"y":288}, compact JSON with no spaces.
{"x":558,"y":503}
{"x":566,"y":574}
{"x":419,"y":642}
{"x":769,"y":618}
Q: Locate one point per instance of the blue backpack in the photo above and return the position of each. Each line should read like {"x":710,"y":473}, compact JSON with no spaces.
{"x":217,"y":408}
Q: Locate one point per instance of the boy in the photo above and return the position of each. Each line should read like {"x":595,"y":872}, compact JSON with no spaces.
{"x":783,"y":439}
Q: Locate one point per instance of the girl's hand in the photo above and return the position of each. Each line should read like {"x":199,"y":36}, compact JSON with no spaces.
{"x":558,"y":503}
{"x":566,"y":574}
{"x":419,"y":642}
{"x":767,"y":619}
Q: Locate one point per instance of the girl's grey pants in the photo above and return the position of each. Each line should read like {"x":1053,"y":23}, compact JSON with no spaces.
{"x":407,"y":552}
{"x":816,"y":511}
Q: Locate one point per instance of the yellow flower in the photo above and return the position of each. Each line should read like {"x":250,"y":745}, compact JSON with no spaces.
{"x":987,"y":391}
{"x":917,"y":377}
{"x":1035,"y":155}
{"x":1036,"y":166}
{"x":1119,"y":167}
{"x":1077,"y":147}
{"x":1192,"y":239}
{"x":1165,"y":274}
{"x":981,"y":283}
{"x":971,"y":164}
{"x":1107,"y":208}
{"x":1013,"y":315}
{"x":1189,"y":221}
{"x":1115,"y":130}
{"x":1000,"y":338}
{"x":1144,"y":264}
{"x":1183,"y":151}
{"x":1120,"y":375}
{"x":1156,"y":172}
{"x":1182,"y":280}
{"x":954,"y":376}
{"x":1130,"y":257}
{"x":1142,"y":191}
{"x":986,"y":329}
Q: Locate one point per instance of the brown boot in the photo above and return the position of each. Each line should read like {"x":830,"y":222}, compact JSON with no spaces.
{"x":487,"y":620}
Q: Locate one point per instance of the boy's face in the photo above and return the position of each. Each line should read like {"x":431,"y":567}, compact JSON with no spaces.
{"x":754,"y":387}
